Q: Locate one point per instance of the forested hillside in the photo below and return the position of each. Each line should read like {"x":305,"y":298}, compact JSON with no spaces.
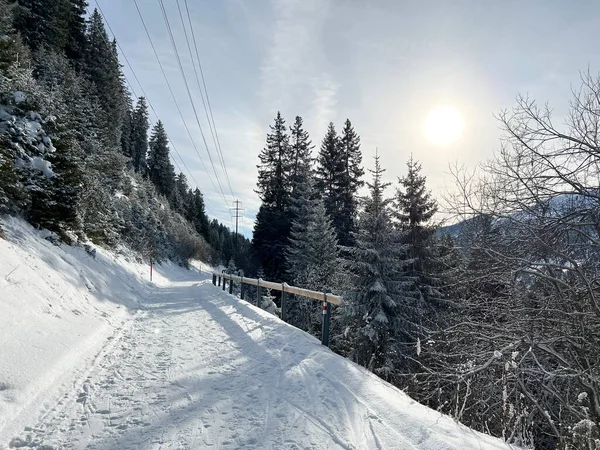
{"x":77,"y":153}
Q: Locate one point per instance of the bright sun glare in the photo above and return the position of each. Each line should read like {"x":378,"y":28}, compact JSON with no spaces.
{"x":443,"y":125}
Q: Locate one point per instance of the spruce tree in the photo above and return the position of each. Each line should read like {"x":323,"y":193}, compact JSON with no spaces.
{"x":13,"y":196}
{"x":271,"y":229}
{"x":139,"y":136}
{"x":160,"y":169}
{"x":181,"y":196}
{"x":56,"y":206}
{"x":312,"y":254}
{"x":300,"y":154}
{"x":339,"y":175}
{"x":76,"y":33}
{"x":273,"y":170}
{"x":39,"y":23}
{"x":375,"y":309}
{"x":312,"y":257}
{"x":350,"y":183}
{"x":414,"y":209}
{"x":11,"y":47}
{"x":103,"y":68}
{"x":330,"y":167}
{"x":198,"y":214}
{"x":58,"y":25}
{"x":70,"y":97}
{"x":127,"y":132}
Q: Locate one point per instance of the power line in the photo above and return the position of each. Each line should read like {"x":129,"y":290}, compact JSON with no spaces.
{"x":212,"y":126}
{"x":206,"y":91}
{"x":174,"y":98}
{"x":143,"y":93}
{"x":174,"y":45}
{"x":148,"y":100}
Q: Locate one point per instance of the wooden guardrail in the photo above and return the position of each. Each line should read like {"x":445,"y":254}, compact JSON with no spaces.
{"x":328,"y":299}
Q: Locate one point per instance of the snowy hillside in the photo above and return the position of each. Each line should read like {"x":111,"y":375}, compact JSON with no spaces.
{"x":95,"y":356}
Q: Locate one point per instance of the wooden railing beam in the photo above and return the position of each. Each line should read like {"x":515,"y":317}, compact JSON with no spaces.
{"x":315,"y":295}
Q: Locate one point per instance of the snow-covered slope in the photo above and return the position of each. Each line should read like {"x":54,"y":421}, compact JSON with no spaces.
{"x":94,"y":356}
{"x":58,"y":306}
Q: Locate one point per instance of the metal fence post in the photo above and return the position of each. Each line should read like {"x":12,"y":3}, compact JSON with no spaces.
{"x":214,"y":280}
{"x":258,"y":293}
{"x":242,"y":289}
{"x":223,"y":281}
{"x":231,"y":286}
{"x":326,"y":319}
{"x":283,"y":301}
{"x":219,"y":281}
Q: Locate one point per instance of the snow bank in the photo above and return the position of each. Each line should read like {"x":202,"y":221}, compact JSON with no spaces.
{"x":58,"y":305}
{"x":310,"y":397}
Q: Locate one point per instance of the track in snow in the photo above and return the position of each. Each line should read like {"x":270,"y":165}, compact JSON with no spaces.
{"x":197,"y":368}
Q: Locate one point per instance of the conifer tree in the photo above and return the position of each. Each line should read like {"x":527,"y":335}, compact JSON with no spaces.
{"x":300,"y":154}
{"x":271,"y":229}
{"x":181,"y":195}
{"x":127,"y":132}
{"x":312,"y":254}
{"x":160,"y":169}
{"x":38,"y":22}
{"x":375,"y":308}
{"x":330,"y":166}
{"x":339,"y":173}
{"x":198,"y":214}
{"x":273,"y":180}
{"x":350,"y":183}
{"x":11,"y":47}
{"x":57,"y":25}
{"x":71,"y":99}
{"x":414,"y":209}
{"x":102,"y":66}
{"x":12,"y":194}
{"x":139,"y":136}
{"x":76,"y":28}
{"x":56,"y":207}
{"x":312,"y":257}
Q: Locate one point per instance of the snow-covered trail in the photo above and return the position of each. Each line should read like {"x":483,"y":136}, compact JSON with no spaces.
{"x":197,"y":368}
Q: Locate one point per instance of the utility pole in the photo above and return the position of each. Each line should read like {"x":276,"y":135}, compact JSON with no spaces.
{"x":235,"y":211}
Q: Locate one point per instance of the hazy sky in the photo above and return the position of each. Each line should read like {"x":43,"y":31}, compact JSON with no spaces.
{"x":383,"y":64}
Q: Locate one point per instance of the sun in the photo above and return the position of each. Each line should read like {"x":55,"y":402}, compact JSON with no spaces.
{"x":443,"y":125}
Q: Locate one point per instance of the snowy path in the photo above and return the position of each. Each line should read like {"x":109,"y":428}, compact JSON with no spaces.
{"x":197,"y":368}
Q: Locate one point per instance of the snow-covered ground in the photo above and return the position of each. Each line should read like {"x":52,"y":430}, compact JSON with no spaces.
{"x":93,"y":355}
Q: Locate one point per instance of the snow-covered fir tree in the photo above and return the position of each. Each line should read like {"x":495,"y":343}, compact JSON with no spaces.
{"x":414,"y":209}
{"x":11,"y":45}
{"x":127,"y":130}
{"x":350,"y":183}
{"x":312,"y":256}
{"x":42,"y":23}
{"x":180,"y":198}
{"x":272,"y":225}
{"x":339,"y":173}
{"x":160,"y":169}
{"x":374,"y":308}
{"x":139,"y":136}
{"x":300,"y":154}
{"x":197,"y":214}
{"x":102,"y":67}
{"x":330,"y":167}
